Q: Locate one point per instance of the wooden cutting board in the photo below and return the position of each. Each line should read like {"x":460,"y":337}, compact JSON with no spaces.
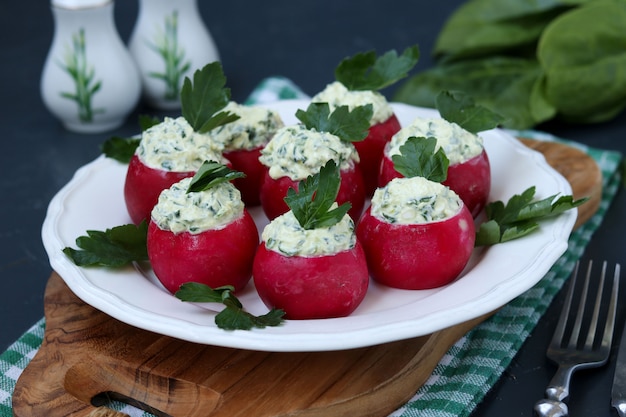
{"x":87,"y":358}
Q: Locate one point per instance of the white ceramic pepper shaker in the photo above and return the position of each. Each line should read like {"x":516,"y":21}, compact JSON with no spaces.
{"x":169,"y":42}
{"x":89,"y":80}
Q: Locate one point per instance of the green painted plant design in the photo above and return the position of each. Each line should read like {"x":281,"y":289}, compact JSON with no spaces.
{"x":76,"y":65}
{"x":166,"y":45}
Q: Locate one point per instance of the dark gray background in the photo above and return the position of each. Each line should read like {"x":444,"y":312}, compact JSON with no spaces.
{"x":303,"y":41}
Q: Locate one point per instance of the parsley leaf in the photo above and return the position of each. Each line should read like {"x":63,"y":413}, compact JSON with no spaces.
{"x":115,"y":247}
{"x":349,"y":126}
{"x":211,"y":174}
{"x":366,"y":71}
{"x":418,"y":158}
{"x":122,"y":149}
{"x":520,"y":216}
{"x":311,"y":205}
{"x":233,"y":316}
{"x":146,"y":122}
{"x":202,"y":101}
{"x":119,"y":148}
{"x":460,"y":108}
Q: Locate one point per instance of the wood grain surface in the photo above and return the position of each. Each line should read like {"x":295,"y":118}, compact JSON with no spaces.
{"x":87,"y":358}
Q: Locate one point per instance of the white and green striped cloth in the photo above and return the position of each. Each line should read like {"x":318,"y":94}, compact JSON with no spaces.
{"x":471,"y":367}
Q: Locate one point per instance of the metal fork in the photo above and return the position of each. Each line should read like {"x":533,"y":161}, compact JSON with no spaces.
{"x":573,"y":348}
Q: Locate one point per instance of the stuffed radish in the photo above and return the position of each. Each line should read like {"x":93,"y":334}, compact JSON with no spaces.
{"x":309,"y":263}
{"x":299,"y":151}
{"x":177,"y":147}
{"x":242,"y":141}
{"x":358,"y":80}
{"x":200,"y":231}
{"x":167,"y":153}
{"x":469,"y":173}
{"x":417,"y":234}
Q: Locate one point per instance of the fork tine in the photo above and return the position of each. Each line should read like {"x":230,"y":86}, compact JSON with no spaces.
{"x":607,"y":337}
{"x":573,"y":340}
{"x":559,"y":332}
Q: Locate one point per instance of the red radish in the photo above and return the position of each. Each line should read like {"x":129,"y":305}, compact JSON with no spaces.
{"x":243,"y":140}
{"x":371,"y":151}
{"x":471,"y":180}
{"x":310,"y":264}
{"x":247,"y":161}
{"x":298,"y":151}
{"x":311,"y":287}
{"x":407,"y":253}
{"x":143,"y":186}
{"x":214,"y":257}
{"x":205,"y":236}
{"x":469,"y":171}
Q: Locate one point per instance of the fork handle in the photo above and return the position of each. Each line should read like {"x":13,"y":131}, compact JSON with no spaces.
{"x":556,"y":394}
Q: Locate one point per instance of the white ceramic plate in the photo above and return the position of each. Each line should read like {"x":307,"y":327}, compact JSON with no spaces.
{"x":93,"y":200}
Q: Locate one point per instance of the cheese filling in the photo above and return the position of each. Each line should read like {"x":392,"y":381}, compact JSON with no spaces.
{"x":458,"y":144}
{"x":173,"y":145}
{"x":297,"y":152}
{"x":179,"y":211}
{"x":254,"y":128}
{"x":413,"y":201}
{"x":285,"y":236}
{"x":336,"y":94}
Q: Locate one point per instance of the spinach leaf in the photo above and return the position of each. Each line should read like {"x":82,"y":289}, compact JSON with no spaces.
{"x":512,"y":86}
{"x":483,"y":27}
{"x":583,"y":54}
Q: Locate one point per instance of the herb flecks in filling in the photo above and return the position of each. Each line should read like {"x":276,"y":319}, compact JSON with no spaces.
{"x":413,"y":201}
{"x":254,"y":128}
{"x":458,"y":144}
{"x":181,"y":211}
{"x":173,"y":145}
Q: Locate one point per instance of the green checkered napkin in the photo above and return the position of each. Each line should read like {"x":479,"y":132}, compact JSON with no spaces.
{"x":472,"y":366}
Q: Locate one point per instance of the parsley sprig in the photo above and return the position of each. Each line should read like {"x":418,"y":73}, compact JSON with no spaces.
{"x":366,"y":71}
{"x":418,"y":158}
{"x":115,"y":247}
{"x":311,"y":204}
{"x":233,"y":316}
{"x":349,"y":126}
{"x":202,"y":100}
{"x":520,"y":216}
{"x":211,"y":174}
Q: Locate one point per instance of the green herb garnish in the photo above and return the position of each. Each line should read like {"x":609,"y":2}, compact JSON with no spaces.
{"x":211,"y":174}
{"x":233,"y":317}
{"x":202,"y":101}
{"x":115,"y":247}
{"x":418,"y":158}
{"x":365,"y":71}
{"x":520,"y":216}
{"x":311,"y":204}
{"x":349,"y":126}
{"x":458,"y":107}
{"x":122,"y":149}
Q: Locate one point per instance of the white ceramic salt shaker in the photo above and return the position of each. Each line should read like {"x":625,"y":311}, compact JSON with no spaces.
{"x":169,"y":42}
{"x":89,"y":81}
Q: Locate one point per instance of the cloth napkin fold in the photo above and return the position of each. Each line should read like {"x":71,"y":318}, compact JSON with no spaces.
{"x":472,"y":365}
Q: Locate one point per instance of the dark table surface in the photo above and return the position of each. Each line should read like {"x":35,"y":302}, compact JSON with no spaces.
{"x":303,"y":41}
